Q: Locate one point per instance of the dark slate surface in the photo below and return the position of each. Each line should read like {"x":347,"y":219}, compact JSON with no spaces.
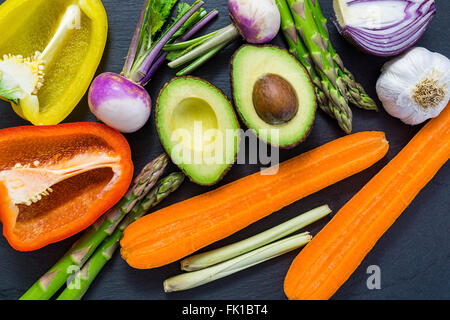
{"x":413,"y":255}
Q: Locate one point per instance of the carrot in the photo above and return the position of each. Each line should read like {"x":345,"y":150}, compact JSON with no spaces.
{"x":183,"y":228}
{"x":332,"y":256}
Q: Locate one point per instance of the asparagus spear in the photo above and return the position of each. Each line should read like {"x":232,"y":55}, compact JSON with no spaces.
{"x":344,"y":119}
{"x":84,"y":278}
{"x":296,"y":48}
{"x":57,"y":276}
{"x":306,"y":27}
{"x":355,"y":92}
{"x":322,"y":86}
{"x":305,"y":12}
{"x":197,"y":278}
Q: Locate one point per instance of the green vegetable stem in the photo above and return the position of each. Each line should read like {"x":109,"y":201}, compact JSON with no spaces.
{"x":213,"y":257}
{"x":197,"y":278}
{"x":216,"y":264}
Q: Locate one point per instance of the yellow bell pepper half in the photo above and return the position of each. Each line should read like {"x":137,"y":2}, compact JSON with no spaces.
{"x":49,"y":52}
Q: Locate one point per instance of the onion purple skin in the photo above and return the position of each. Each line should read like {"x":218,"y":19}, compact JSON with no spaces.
{"x":256,"y":30}
{"x":119,"y":102}
{"x":398,"y":42}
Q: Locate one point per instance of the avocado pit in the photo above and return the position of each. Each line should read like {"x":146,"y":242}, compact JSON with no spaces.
{"x":274,"y":99}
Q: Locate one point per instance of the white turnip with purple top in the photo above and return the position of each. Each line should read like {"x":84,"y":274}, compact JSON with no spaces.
{"x":120,"y":100}
{"x":257,"y":21}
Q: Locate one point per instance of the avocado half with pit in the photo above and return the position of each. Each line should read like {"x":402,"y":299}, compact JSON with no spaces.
{"x":273,"y":94}
{"x":198,"y":128}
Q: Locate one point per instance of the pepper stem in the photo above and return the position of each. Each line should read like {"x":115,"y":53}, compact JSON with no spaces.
{"x":71,"y":20}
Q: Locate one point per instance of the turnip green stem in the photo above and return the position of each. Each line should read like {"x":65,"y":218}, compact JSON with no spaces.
{"x":229,"y":33}
{"x":145,"y":66}
{"x":213,"y":257}
{"x":197,"y":278}
{"x":187,"y":44}
{"x":135,"y":41}
{"x":202,"y":60}
{"x":200,"y":25}
{"x":155,"y":66}
{"x":196,"y":28}
{"x":71,"y":20}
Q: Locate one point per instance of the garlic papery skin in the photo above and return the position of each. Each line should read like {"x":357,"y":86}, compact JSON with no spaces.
{"x":415,"y":87}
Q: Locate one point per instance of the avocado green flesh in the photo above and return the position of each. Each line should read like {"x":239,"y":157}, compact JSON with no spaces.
{"x":198,"y":128}
{"x":250,"y":63}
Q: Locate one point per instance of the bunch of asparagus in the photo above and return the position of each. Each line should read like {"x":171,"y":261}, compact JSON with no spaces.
{"x":97,"y":245}
{"x":305,"y":29}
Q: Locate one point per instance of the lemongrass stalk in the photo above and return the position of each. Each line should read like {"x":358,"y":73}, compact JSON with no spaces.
{"x":207,"y":259}
{"x":197,"y":278}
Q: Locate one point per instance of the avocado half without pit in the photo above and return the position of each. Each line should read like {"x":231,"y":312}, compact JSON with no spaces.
{"x":198,"y":128}
{"x":273,"y":94}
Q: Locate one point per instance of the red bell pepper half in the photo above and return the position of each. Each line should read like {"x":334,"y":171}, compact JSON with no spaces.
{"x":57,"y":180}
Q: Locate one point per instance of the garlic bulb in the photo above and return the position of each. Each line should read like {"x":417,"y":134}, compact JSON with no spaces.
{"x":415,"y":87}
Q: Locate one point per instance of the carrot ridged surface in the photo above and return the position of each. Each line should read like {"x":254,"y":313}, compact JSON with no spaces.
{"x":334,"y":254}
{"x":183,"y":228}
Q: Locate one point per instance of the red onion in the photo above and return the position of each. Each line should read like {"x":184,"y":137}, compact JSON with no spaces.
{"x":383,"y":27}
